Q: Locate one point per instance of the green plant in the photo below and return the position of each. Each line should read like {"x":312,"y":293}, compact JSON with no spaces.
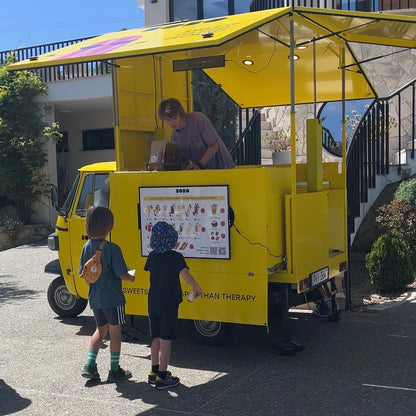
{"x":10,"y":226}
{"x":278,"y":141}
{"x":22,"y":140}
{"x":352,"y":122}
{"x":407,"y":192}
{"x":389,"y":265}
{"x":400,"y":215}
{"x":52,"y":132}
{"x":211,"y":100}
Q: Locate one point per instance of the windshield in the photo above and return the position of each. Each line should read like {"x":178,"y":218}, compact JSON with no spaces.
{"x":68,"y":201}
{"x":95,"y":191}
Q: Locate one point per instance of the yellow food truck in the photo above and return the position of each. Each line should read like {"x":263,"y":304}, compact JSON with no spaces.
{"x":258,"y":239}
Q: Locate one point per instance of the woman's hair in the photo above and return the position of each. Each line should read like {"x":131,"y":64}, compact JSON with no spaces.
{"x":170,"y":108}
{"x":99,"y":221}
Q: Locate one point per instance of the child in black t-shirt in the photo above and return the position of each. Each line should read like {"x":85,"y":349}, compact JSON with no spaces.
{"x":165,"y":294}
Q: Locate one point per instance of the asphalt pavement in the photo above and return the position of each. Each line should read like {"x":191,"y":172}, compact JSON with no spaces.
{"x":362,"y":365}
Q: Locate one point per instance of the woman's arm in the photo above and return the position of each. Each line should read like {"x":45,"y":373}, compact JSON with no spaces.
{"x":207,"y":156}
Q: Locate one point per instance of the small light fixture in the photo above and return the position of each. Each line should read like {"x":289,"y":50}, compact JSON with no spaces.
{"x":248,"y":62}
{"x":295,"y":57}
{"x":302,"y":47}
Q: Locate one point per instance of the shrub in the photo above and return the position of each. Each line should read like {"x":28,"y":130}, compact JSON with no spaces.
{"x":407,"y":192}
{"x":10,"y":226}
{"x":398,"y":215}
{"x":23,"y":136}
{"x":389,"y":264}
{"x":210,"y":99}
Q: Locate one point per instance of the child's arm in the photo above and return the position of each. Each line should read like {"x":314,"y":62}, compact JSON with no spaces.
{"x":128,"y":277}
{"x":187,"y":277}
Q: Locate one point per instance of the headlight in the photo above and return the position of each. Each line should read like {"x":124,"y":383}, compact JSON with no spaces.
{"x":53,"y":242}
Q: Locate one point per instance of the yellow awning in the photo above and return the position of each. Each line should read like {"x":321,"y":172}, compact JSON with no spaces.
{"x":263,"y":38}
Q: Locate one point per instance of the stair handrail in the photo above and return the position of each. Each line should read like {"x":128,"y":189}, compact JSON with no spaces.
{"x":330,"y":144}
{"x":368,"y":153}
{"x":247,"y":148}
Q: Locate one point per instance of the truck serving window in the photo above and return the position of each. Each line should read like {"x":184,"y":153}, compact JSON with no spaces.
{"x":95,"y":191}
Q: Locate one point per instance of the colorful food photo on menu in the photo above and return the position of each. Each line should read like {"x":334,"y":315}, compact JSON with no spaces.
{"x":198,"y":213}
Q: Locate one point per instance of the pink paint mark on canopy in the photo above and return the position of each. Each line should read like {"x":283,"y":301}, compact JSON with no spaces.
{"x":100,"y":48}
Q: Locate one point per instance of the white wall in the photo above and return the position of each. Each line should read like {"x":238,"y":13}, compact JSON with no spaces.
{"x":156,"y":13}
{"x":74,"y":124}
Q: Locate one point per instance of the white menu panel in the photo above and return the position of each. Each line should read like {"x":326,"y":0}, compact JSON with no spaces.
{"x":198,"y":213}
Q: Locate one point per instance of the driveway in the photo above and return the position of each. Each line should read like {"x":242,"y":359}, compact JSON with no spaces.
{"x":362,"y":365}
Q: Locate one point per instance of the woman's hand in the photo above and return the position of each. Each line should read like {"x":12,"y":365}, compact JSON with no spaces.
{"x":192,"y":166}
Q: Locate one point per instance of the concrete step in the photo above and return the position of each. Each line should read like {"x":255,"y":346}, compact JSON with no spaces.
{"x":403,"y":157}
{"x":407,"y":170}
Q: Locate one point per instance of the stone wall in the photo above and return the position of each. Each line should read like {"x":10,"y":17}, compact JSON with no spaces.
{"x":27,"y":234}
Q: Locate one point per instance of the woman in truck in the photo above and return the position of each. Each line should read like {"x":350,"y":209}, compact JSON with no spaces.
{"x":196,"y":134}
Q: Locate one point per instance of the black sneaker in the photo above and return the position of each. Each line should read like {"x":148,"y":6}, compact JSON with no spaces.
{"x":90,"y":372}
{"x":151,"y":376}
{"x":166,"y":383}
{"x":120,"y":374}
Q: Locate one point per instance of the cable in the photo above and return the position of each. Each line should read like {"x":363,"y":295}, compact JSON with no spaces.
{"x":256,"y":243}
{"x":258,"y":70}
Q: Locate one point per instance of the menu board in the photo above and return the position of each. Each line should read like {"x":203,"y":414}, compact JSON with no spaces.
{"x":198,"y":213}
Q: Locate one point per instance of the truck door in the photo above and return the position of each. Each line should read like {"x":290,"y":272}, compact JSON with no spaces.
{"x":94,"y":190}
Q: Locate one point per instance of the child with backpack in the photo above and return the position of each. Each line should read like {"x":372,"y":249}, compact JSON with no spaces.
{"x":105,"y":295}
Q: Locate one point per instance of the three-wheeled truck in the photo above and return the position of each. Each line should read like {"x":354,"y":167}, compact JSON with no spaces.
{"x":258,"y":239}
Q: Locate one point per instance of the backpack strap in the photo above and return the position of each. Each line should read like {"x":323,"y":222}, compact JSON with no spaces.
{"x":101,"y":246}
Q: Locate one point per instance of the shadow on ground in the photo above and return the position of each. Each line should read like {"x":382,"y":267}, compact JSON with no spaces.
{"x":9,"y":291}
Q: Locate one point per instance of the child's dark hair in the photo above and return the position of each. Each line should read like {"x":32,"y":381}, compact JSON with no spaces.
{"x":170,"y":108}
{"x":99,"y":221}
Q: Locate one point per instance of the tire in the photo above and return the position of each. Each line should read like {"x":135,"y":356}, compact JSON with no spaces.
{"x":62,"y":302}
{"x":209,"y":332}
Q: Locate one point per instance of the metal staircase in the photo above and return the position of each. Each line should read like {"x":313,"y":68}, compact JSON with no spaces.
{"x":379,"y":153}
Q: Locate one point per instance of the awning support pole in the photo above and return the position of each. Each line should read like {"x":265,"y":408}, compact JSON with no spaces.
{"x":292,"y":109}
{"x":116,"y":116}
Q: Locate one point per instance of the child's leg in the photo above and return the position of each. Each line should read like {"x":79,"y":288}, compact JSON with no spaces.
{"x":116,"y":318}
{"x":115,"y":346}
{"x":154,"y":359}
{"x":165,"y":379}
{"x":164,"y":354}
{"x":155,"y":351}
{"x":90,"y":369}
{"x":97,"y":337}
{"x":167,"y":332}
{"x":96,"y":341}
{"x":115,"y":338}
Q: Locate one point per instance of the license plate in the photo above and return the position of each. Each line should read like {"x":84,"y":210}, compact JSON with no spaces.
{"x":319,"y":276}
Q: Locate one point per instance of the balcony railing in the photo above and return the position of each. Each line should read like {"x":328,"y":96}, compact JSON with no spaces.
{"x":61,"y":72}
{"x":353,"y":5}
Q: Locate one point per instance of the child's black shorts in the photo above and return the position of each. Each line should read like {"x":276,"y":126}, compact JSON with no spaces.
{"x":162,"y":321}
{"x":111,"y":316}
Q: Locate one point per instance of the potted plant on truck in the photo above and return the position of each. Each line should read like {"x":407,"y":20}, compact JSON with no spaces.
{"x":279,"y":143}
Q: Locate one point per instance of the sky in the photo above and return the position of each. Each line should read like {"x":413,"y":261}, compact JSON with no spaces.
{"x":35,"y":22}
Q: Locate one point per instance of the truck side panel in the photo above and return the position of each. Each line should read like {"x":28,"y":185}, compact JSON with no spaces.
{"x":235,"y":290}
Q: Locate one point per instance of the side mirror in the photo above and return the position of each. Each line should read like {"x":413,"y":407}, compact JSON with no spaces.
{"x":54,"y":196}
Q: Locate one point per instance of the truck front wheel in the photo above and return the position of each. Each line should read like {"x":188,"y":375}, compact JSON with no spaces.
{"x":209,"y":332}
{"x":62,"y":302}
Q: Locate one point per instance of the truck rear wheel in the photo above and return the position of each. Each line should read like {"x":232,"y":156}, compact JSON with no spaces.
{"x":209,"y":332}
{"x":62,"y":302}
